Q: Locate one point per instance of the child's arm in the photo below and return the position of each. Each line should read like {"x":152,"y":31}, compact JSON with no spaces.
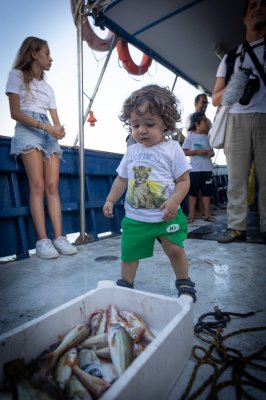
{"x":211,"y":153}
{"x":197,"y":152}
{"x":171,"y":205}
{"x":117,"y":189}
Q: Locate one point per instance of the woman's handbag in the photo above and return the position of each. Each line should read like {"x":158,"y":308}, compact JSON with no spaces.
{"x":233,"y":92}
{"x":217,"y":130}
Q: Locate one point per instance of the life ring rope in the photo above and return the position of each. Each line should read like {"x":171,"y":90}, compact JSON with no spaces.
{"x":98,"y":44}
{"x":130,"y":66}
{"x":94,"y":42}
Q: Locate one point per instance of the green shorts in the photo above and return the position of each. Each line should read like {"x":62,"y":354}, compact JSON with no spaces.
{"x":138,"y":238}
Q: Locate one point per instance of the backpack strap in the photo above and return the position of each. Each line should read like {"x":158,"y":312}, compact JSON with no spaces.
{"x":230,"y":63}
{"x":255,"y":60}
{"x":231,"y":58}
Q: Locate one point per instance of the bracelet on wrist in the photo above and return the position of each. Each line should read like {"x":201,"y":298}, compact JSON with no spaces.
{"x":38,"y":125}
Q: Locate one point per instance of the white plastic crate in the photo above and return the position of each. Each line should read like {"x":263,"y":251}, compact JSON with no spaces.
{"x":152,"y":374}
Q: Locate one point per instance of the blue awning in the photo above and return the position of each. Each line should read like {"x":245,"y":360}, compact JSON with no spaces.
{"x":182,"y":35}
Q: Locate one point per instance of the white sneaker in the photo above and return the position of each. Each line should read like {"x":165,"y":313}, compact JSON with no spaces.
{"x":64,"y":247}
{"x":45,"y":249}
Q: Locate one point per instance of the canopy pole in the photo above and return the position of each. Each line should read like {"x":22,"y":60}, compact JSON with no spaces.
{"x":83,"y":237}
{"x":97,"y":86}
{"x":174,"y":83}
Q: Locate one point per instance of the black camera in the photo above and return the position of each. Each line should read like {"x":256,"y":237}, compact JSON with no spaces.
{"x":252,"y":86}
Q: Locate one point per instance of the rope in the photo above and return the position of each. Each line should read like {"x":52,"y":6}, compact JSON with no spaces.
{"x":225,"y":359}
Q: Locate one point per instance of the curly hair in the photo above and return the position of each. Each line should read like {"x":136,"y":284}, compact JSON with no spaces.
{"x":160,"y":101}
{"x":24,"y":58}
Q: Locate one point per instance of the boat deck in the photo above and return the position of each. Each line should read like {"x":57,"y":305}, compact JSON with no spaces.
{"x":230,"y":276}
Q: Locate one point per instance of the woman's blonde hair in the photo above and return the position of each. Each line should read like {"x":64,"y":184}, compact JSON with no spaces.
{"x":24,"y":58}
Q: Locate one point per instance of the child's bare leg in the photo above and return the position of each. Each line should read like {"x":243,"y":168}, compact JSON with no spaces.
{"x":206,"y":207}
{"x":199,"y":205}
{"x":179,"y":262}
{"x":177,"y":257}
{"x":128,"y":271}
{"x":191,"y":208}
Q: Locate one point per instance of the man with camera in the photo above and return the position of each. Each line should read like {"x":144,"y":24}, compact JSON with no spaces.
{"x":245,"y":138}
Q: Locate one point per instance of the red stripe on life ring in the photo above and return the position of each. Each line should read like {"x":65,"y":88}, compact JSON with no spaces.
{"x":94,"y":42}
{"x":128,"y":63}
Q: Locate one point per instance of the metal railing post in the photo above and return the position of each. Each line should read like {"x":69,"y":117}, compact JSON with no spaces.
{"x":97,"y":86}
{"x":83,"y":237}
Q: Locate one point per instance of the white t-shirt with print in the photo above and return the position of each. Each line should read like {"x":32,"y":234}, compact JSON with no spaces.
{"x":196,"y":141}
{"x":151,"y":173}
{"x":39,"y":99}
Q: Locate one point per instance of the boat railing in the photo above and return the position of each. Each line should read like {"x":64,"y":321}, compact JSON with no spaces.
{"x":18,"y":235}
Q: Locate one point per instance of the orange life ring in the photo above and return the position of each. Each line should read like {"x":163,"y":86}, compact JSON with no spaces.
{"x":94,"y":42}
{"x":128,"y":63}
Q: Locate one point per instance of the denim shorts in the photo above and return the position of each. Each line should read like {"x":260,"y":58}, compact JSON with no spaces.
{"x":27,"y":138}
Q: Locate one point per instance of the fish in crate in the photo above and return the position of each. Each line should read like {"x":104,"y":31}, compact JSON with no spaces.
{"x":85,"y":363}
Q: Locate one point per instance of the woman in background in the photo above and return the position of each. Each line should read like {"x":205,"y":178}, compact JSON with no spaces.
{"x":36,"y":141}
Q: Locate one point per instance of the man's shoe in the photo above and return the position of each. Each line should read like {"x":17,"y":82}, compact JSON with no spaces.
{"x":63,"y":246}
{"x":232,"y":235}
{"x":45,"y":249}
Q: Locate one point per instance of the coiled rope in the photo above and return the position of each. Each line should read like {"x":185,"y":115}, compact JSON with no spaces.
{"x":222,"y":358}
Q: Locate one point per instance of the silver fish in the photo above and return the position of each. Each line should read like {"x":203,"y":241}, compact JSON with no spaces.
{"x":112,"y":316}
{"x":121,"y":348}
{"x":89,"y":362}
{"x":95,"y":321}
{"x":109,"y":371}
{"x":138,"y":348}
{"x":64,"y":365}
{"x":72,"y":339}
{"x":104,"y":353}
{"x":96,"y":386}
{"x":135,"y":320}
{"x":76,"y":390}
{"x":136,"y":332}
{"x":102,"y":324}
{"x":96,"y":341}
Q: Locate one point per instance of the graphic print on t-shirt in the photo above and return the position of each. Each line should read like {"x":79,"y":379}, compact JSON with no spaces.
{"x":200,"y":142}
{"x":144,"y":193}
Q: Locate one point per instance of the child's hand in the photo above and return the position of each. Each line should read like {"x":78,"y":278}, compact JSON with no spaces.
{"x":202,"y":152}
{"x":211,"y":153}
{"x":108,"y":209}
{"x":170,"y":209}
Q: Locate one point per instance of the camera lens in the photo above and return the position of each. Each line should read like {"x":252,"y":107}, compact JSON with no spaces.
{"x":252,"y":87}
